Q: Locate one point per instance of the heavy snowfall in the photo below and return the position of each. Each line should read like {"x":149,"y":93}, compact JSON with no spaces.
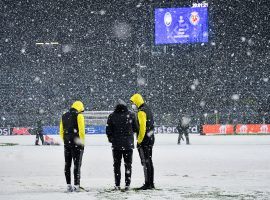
{"x":55,"y":52}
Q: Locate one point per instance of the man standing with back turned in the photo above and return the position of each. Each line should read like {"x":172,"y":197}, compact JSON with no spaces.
{"x":120,"y":130}
{"x":72,"y":131}
{"x":145,"y":139}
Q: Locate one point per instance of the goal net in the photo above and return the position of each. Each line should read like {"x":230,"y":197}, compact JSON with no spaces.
{"x":96,"y":117}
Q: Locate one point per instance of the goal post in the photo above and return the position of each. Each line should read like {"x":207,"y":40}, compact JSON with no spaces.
{"x":94,"y":118}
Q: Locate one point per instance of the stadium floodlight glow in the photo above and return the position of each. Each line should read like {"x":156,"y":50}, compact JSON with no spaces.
{"x":47,"y":43}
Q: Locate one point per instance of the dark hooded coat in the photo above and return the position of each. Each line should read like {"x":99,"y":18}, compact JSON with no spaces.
{"x":120,"y":129}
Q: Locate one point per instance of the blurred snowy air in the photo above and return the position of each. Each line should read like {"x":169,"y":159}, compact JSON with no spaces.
{"x":105,"y":50}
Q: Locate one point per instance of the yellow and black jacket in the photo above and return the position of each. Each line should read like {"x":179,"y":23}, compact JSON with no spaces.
{"x":72,"y":126}
{"x":145,"y":120}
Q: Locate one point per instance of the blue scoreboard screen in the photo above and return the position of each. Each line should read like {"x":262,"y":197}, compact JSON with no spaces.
{"x":181,"y":25}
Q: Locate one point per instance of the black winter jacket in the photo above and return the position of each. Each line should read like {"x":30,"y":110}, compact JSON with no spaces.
{"x":149,"y":139}
{"x":71,"y":131}
{"x":120,"y":129}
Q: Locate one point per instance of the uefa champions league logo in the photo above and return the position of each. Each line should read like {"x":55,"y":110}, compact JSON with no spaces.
{"x":168,"y":19}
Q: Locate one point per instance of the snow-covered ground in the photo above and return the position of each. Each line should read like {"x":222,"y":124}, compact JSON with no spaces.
{"x":213,"y":167}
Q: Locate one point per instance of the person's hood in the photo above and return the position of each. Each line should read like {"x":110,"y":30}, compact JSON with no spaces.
{"x":120,"y":108}
{"x":121,"y":102}
{"x":78,"y":105}
{"x":137,"y":100}
{"x":40,"y":122}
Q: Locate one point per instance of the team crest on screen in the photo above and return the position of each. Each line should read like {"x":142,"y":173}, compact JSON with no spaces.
{"x":167,"y":19}
{"x":194,"y":18}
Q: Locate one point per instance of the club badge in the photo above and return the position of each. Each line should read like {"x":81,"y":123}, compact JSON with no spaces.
{"x":194,"y":18}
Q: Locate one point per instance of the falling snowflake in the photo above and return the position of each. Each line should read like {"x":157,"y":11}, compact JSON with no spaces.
{"x":37,"y":79}
{"x":141,"y":81}
{"x":66,"y":48}
{"x":250,"y":42}
{"x":202,"y":103}
{"x":122,"y":30}
{"x":185,"y":120}
{"x":41,"y":111}
{"x":102,"y":12}
{"x":235,"y":97}
{"x":196,"y":82}
{"x":23,"y":50}
{"x":265,"y":79}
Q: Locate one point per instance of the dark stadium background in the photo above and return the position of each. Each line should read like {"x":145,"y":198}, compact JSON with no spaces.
{"x":96,"y":63}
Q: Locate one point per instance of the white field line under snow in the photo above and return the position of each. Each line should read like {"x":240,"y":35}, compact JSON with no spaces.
{"x":212,"y":167}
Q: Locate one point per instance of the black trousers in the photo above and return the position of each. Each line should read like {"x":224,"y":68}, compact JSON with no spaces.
{"x":75,"y":153}
{"x":39,"y":135}
{"x":117,"y":157}
{"x":185,"y":132}
{"x":145,"y":153}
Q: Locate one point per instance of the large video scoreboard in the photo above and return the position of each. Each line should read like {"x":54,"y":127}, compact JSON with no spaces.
{"x":181,"y":25}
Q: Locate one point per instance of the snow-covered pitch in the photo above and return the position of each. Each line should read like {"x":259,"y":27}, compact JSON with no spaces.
{"x":212,"y":167}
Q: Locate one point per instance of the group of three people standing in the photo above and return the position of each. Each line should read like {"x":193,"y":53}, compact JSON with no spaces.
{"x":121,"y":126}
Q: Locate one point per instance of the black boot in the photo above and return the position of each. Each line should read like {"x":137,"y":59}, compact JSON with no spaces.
{"x":36,"y":142}
{"x":187,"y":140}
{"x":179,"y":139}
{"x":152,"y":186}
{"x":146,"y":186}
{"x":117,"y":188}
{"x":127,"y":187}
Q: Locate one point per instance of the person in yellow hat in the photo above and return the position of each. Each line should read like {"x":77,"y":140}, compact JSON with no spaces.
{"x":72,"y":132}
{"x":145,"y":139}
